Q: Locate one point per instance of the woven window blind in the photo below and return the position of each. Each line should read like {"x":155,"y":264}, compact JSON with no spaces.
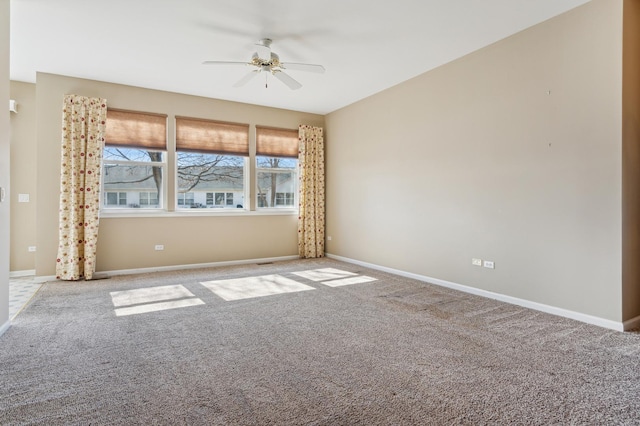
{"x":274,"y":142}
{"x":215,"y":137}
{"x":134,"y":129}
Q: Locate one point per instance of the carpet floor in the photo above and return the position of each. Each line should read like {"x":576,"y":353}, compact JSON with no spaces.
{"x":305,"y":342}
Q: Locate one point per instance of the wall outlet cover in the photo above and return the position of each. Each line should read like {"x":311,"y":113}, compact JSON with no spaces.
{"x":489,"y":264}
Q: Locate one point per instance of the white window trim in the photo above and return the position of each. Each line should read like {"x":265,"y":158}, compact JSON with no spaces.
{"x":128,"y":213}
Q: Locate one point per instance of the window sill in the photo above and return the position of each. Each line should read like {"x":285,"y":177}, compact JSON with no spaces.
{"x":195,"y":213}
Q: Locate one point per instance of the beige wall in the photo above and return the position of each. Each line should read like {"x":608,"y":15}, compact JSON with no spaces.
{"x":631,"y":159}
{"x":128,"y":243}
{"x":23,"y":177}
{"x":4,"y":163}
{"x":511,"y":154}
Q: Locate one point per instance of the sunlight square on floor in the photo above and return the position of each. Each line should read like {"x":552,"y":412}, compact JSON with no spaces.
{"x":348,"y":281}
{"x":159,"y":306}
{"x":324,"y":274}
{"x":150,"y":294}
{"x":245,"y":288}
{"x":152,"y":299}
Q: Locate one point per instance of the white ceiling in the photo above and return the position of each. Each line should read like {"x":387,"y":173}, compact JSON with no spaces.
{"x":365,"y":45}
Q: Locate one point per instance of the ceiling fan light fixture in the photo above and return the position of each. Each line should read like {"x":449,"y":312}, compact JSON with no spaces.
{"x":266,"y":60}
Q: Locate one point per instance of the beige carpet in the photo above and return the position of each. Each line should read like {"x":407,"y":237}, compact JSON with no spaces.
{"x":315,"y":342}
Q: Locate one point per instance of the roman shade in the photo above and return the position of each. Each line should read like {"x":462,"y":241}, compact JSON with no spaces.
{"x":275,"y":142}
{"x":209,"y":136}
{"x":134,"y":129}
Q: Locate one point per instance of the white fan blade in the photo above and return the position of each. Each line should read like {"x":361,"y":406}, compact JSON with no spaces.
{"x":286,"y":79}
{"x":244,"y":80}
{"x":319,"y":69}
{"x":224,"y":63}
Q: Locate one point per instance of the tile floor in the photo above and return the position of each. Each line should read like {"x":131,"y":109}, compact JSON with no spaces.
{"x":21,"y":290}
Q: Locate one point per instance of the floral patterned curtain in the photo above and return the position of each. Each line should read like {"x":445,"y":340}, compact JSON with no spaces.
{"x":83,"y":126}
{"x":311,"y":192}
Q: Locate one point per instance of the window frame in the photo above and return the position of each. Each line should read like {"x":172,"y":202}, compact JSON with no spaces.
{"x":136,"y":130}
{"x":275,"y":142}
{"x":168,"y":197}
{"x":187,"y":141}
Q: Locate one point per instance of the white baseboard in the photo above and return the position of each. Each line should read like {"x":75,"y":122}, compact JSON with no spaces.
{"x":106,"y":274}
{"x":5,"y":327}
{"x":589,"y":319}
{"x":27,"y":273}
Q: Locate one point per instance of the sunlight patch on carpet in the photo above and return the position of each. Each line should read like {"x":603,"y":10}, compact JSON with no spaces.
{"x":160,"y":306}
{"x":150,"y":294}
{"x":152,"y":299}
{"x":348,"y":281}
{"x":334,"y":277}
{"x":245,"y":288}
{"x":324,"y":274}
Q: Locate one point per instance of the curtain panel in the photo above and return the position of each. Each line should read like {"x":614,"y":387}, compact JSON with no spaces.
{"x":83,"y":128}
{"x":311,"y":192}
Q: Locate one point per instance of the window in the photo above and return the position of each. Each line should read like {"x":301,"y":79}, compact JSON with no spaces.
{"x":115,"y":199}
{"x":284,"y":199}
{"x":276,"y":167}
{"x":219,"y":199}
{"x":262,"y":200}
{"x":186,"y":200}
{"x":134,"y":159}
{"x":148,"y":199}
{"x":211,"y":158}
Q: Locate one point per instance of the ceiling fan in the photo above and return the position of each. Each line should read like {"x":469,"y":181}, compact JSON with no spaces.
{"x":266,"y":60}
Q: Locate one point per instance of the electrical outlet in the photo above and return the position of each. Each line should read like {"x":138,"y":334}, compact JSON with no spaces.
{"x":476,"y":262}
{"x":159,"y":247}
{"x":31,"y":249}
{"x":488,"y":264}
{"x":329,"y":238}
